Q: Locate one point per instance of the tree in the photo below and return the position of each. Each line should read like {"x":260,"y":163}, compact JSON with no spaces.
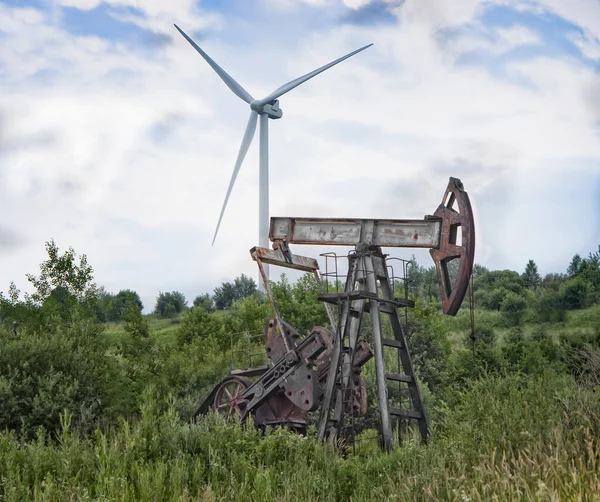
{"x":63,"y":290}
{"x":224,"y":296}
{"x":242,"y":287}
{"x":124,"y":301}
{"x":531,"y":277}
{"x":415,"y":277}
{"x":575,"y":266}
{"x":170,"y":304}
{"x":574,"y":293}
{"x":479,"y":270}
{"x":553,"y":281}
{"x":205,"y":301}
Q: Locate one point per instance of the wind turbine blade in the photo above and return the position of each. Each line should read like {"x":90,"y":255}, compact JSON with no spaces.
{"x":237,"y":89}
{"x":300,"y":80}
{"x":246,"y":141}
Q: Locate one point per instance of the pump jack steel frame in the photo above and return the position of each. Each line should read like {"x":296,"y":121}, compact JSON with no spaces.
{"x":322,"y":368}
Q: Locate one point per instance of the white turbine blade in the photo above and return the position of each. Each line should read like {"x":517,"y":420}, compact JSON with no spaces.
{"x":237,"y":89}
{"x":246,"y":141}
{"x":300,"y":80}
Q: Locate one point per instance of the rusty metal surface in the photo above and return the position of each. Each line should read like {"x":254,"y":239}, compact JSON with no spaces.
{"x":350,"y":232}
{"x":277,"y":257}
{"x":276,"y":342}
{"x":455,"y":211}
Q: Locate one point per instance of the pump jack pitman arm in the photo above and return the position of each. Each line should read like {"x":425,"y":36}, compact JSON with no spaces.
{"x":449,"y":234}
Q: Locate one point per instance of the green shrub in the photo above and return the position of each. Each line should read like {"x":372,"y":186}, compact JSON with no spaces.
{"x":513,"y":307}
{"x":42,"y":374}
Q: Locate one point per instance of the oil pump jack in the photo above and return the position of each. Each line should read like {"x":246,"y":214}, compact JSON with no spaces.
{"x":321,"y":371}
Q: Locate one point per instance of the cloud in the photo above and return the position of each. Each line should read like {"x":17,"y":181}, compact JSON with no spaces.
{"x":125,"y":154}
{"x":10,"y":240}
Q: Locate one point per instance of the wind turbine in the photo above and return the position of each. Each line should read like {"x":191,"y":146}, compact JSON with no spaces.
{"x":267,"y":108}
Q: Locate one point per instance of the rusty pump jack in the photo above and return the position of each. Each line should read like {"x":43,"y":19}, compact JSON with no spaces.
{"x":321,"y":369}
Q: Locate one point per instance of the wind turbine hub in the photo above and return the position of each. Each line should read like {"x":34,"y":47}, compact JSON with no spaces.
{"x":271,"y":109}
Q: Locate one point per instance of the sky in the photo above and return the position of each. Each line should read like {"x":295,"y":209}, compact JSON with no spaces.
{"x":117,"y":139}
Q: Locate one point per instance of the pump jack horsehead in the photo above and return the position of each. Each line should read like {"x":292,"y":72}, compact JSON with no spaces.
{"x":322,"y":370}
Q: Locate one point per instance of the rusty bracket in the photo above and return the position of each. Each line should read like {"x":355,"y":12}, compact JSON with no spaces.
{"x":282,"y":256}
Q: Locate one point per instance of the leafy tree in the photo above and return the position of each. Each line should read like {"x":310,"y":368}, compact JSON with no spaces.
{"x":242,"y":287}
{"x":224,"y":296}
{"x":115,"y":306}
{"x":415,"y":277}
{"x":422,"y":282}
{"x":63,"y":291}
{"x":553,"y":281}
{"x":574,"y":293}
{"x":298,"y":303}
{"x":575,"y":266}
{"x":479,"y":270}
{"x":531,"y":277}
{"x":135,"y":323}
{"x":205,"y":301}
{"x":495,"y":279}
{"x":170,"y":304}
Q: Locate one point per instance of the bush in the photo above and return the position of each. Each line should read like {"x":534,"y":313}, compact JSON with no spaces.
{"x":198,"y":324}
{"x":43,"y":374}
{"x":429,"y":345}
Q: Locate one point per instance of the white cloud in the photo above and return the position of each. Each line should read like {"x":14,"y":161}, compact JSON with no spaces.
{"x":133,"y":170}
{"x":588,"y":43}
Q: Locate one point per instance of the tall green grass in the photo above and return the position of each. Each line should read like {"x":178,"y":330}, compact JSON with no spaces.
{"x":506,"y":438}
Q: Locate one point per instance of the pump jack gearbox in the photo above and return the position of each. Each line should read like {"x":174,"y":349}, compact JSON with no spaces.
{"x":322,"y":371}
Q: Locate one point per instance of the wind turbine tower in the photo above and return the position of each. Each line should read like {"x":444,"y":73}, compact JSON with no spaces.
{"x":265,"y":108}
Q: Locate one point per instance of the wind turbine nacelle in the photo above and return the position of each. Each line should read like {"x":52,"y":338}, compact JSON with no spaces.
{"x":272,"y":110}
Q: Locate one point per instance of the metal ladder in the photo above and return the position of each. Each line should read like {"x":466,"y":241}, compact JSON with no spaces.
{"x":368,"y":289}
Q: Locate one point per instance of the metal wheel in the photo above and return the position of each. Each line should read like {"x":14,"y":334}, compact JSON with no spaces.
{"x":228,"y":398}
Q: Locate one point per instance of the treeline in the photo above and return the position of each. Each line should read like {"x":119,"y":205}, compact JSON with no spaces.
{"x":525,"y":296}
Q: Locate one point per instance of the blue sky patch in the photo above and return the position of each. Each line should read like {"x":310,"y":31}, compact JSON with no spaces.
{"x":37,"y":4}
{"x":373,"y":13}
{"x":101,"y":22}
{"x":554,"y":32}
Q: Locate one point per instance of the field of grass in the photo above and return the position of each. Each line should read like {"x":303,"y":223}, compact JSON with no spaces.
{"x":508,"y":439}
{"x":519,"y":432}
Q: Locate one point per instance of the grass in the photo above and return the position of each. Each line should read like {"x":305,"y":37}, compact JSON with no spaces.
{"x":512,"y":437}
{"x":164,"y":331}
{"x":492,"y":446}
